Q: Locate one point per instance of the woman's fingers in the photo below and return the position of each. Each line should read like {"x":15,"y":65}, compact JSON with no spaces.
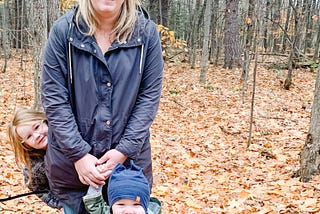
{"x":107,"y":174}
{"x":81,"y":178}
{"x":88,"y":174}
{"x":92,"y":181}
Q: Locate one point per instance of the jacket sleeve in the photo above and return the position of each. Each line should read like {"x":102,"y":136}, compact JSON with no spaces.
{"x":56,"y":95}
{"x":147,"y":102}
{"x":39,"y":182}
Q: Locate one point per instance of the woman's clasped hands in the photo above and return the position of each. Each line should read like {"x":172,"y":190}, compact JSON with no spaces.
{"x":93,"y":171}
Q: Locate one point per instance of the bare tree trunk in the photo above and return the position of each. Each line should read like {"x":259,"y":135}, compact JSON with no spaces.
{"x":219,"y":41}
{"x":53,"y":12}
{"x":232,"y":57}
{"x":288,"y":81}
{"x":266,"y":27}
{"x":275,"y":26}
{"x":29,"y":19}
{"x":40,"y":32}
{"x":164,"y":11}
{"x":18,"y":28}
{"x":22,"y":26}
{"x":316,"y":48}
{"x":286,"y":27}
{"x":308,"y":21}
{"x":205,"y":46}
{"x":248,"y":42}
{"x":310,"y":153}
{"x":159,"y":11}
{"x":154,"y":10}
{"x":293,"y":53}
{"x":214,"y":25}
{"x":193,"y":36}
{"x":5,"y":37}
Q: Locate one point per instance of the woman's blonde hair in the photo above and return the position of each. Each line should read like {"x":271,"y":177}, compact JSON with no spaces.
{"x":123,"y":28}
{"x":22,"y":151}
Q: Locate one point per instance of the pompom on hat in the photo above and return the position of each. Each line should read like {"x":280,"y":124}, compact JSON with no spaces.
{"x":128,"y":184}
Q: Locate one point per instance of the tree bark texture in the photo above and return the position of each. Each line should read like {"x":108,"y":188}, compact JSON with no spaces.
{"x":154,"y":10}
{"x":165,"y":12}
{"x":214,"y":25}
{"x":310,"y":153}
{"x":17,"y":18}
{"x":53,"y":12}
{"x":159,"y":11}
{"x":294,"y":45}
{"x":266,"y":26}
{"x":205,"y":45}
{"x":5,"y":34}
{"x":232,"y":56}
{"x":308,"y":22}
{"x":248,"y":41}
{"x":316,"y":48}
{"x":193,"y":36}
{"x":39,"y":35}
{"x":275,"y":25}
{"x":286,"y":27}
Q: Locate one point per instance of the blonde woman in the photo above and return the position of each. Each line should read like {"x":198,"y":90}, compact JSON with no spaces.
{"x":27,"y":134}
{"x":101,"y":86}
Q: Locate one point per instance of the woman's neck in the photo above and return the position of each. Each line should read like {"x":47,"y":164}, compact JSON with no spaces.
{"x":107,"y":22}
{"x":103,"y":33}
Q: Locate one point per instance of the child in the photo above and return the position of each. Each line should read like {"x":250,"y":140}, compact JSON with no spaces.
{"x":27,"y":133}
{"x":128,"y":191}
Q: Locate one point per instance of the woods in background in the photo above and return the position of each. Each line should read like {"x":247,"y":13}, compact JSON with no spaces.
{"x":280,"y":22}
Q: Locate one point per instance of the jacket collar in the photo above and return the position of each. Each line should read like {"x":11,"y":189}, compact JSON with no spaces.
{"x":82,"y":41}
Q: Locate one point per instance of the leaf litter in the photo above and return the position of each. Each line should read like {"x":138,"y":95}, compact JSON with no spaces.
{"x":199,"y":137}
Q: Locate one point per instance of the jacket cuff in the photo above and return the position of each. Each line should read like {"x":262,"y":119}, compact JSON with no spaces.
{"x":77,"y":156}
{"x":129,"y":152}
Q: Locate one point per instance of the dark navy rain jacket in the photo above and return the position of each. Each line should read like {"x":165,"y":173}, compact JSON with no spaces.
{"x":97,"y":102}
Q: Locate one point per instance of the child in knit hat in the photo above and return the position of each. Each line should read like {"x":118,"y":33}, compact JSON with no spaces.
{"x":128,"y":191}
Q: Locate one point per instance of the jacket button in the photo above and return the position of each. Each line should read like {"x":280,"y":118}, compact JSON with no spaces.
{"x":108,"y":122}
{"x":108,"y":84}
{"x":82,"y":45}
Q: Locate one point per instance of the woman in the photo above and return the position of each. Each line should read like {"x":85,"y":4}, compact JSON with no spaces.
{"x":101,"y":86}
{"x":27,"y":133}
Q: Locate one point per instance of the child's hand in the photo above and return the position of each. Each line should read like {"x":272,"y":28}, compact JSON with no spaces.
{"x":102,"y":168}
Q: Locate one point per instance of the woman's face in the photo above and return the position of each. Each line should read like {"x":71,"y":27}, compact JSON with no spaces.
{"x":34,"y":134}
{"x":105,"y":8}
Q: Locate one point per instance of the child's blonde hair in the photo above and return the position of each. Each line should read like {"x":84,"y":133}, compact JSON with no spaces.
{"x":22,"y":151}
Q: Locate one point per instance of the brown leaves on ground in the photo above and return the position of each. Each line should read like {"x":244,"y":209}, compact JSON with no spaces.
{"x":199,"y":137}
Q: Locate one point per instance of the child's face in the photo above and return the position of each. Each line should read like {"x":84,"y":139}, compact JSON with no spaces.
{"x":34,"y":134}
{"x":127,"y":206}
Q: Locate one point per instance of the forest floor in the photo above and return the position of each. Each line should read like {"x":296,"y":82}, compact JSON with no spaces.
{"x":200,"y":157}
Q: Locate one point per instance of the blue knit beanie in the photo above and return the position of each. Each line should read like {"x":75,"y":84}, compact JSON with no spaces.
{"x":128,"y":184}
